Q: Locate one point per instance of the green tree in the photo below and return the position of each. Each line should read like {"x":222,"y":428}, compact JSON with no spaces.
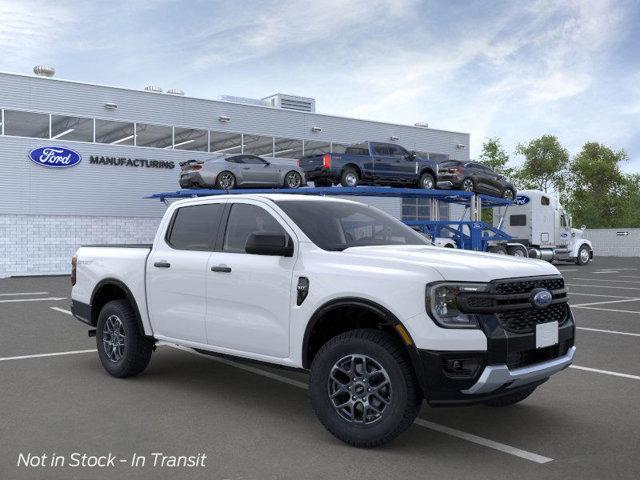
{"x":600,"y":192}
{"x":495,"y":157}
{"x":545,"y":165}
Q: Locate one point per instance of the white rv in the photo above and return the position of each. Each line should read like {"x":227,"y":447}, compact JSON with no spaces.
{"x":538,"y":221}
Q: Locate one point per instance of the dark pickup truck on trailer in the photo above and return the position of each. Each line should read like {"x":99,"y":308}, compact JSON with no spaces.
{"x":371,"y":163}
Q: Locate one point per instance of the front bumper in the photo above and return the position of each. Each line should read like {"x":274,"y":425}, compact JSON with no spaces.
{"x":511,"y":363}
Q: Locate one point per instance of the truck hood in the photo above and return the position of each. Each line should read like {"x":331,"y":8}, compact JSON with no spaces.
{"x":456,"y":265}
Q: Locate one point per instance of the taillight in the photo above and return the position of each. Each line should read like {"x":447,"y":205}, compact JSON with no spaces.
{"x":299,"y":162}
{"x":74,"y":261}
{"x":326,"y":161}
{"x":196,"y":167}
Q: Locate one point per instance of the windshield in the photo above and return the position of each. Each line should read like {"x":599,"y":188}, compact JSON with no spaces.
{"x":337,"y":225}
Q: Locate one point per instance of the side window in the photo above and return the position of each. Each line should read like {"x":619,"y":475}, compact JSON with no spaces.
{"x":381,"y":149}
{"x":544,"y":200}
{"x":563,"y":221}
{"x":238,"y":159}
{"x":253,"y":160}
{"x":517,"y":220}
{"x":396,"y":151}
{"x":195,"y":228}
{"x":244,"y":220}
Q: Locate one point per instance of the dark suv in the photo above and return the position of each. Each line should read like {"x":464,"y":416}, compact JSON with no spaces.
{"x":474,"y":177}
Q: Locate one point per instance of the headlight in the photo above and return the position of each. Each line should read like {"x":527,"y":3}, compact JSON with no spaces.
{"x":442,"y":304}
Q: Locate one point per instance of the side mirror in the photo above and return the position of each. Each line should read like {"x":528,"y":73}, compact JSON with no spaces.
{"x":410,"y":156}
{"x":583,"y":227}
{"x":274,"y":244}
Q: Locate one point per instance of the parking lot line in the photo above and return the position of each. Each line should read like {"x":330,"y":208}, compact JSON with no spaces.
{"x":16,"y":300}
{"x":606,"y":309}
{"x":602,"y":286}
{"x":606,"y":372}
{"x":609,"y":331}
{"x":61,"y":310}
{"x":40,"y":355}
{"x":596,"y":295}
{"x":606,"y":302}
{"x":607,"y":280}
{"x":22,"y":293}
{"x":485,"y":442}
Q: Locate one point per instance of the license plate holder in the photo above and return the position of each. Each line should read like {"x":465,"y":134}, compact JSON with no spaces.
{"x":546,"y":334}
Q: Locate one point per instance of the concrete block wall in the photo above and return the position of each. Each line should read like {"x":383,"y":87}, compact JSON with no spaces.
{"x":44,"y":244}
{"x":612,"y":242}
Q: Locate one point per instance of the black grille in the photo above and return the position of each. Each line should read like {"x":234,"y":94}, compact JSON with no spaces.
{"x":539,"y":355}
{"x":525,"y":286}
{"x":525,"y":320}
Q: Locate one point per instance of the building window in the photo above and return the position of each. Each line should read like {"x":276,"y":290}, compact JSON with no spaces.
{"x":72,"y":128}
{"x":316,"y":148}
{"x":287,"y":148}
{"x":258,"y":145}
{"x":26,"y":124}
{"x":114,"y":133}
{"x":225,"y":142}
{"x":157,"y":136}
{"x":190,"y":139}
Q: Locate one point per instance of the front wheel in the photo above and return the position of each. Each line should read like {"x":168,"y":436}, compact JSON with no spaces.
{"x":427,"y":181}
{"x":363,"y":389}
{"x":123,"y":350}
{"x":584,"y":255}
{"x":292,"y":180}
{"x":468,"y":185}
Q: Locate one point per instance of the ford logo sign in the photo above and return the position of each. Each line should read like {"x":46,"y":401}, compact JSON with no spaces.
{"x":55,"y":157}
{"x":541,"y":298}
{"x":521,"y":200}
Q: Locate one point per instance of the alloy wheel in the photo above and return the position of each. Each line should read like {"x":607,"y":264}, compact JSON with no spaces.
{"x":293,"y":180}
{"x":351,"y":179}
{"x":226,"y":181}
{"x":508,"y":194}
{"x":427,"y":182}
{"x":113,"y":338}
{"x":359,"y":389}
{"x":584,"y":255}
{"x":467,"y":185}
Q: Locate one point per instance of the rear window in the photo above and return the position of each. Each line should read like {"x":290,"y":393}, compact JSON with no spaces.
{"x":195,"y":228}
{"x":449,"y":163}
{"x":357,"y":150}
{"x":517,"y":220}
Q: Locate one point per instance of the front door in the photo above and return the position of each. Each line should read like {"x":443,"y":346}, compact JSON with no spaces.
{"x":257,"y":171}
{"x":177,"y":272}
{"x":249,"y":296}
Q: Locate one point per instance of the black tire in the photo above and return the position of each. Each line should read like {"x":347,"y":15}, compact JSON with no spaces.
{"x":498,"y":249}
{"x":509,"y":194}
{"x":322,"y":182}
{"x":427,"y":182}
{"x":288,"y":183}
{"x":512,"y":399}
{"x":226,"y":180}
{"x":468,"y":185}
{"x":404,"y":396}
{"x":518,"y":251}
{"x":346,"y":179}
{"x":582,"y":258}
{"x":136,"y":349}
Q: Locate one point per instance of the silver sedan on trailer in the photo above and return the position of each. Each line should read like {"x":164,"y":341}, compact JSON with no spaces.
{"x":231,"y":171}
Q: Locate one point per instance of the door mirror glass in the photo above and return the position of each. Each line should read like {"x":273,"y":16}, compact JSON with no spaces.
{"x":266,"y":243}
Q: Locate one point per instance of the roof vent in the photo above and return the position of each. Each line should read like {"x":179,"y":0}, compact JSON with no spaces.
{"x":175,"y":91}
{"x":153,"y":88}
{"x":44,"y":71}
{"x":422,"y":124}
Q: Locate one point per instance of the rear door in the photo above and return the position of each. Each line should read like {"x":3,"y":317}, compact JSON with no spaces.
{"x":177,"y":272}
{"x":249,"y":296}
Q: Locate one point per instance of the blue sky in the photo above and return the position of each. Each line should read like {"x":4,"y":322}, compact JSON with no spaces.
{"x":514,"y":69}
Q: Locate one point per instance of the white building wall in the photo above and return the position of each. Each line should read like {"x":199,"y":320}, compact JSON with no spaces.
{"x":612,"y":242}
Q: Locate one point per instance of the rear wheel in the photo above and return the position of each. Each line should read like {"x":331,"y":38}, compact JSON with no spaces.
{"x":349,"y":178}
{"x":292,"y":179}
{"x":427,"y":181}
{"x":518,"y":251}
{"x":226,"y":180}
{"x":468,"y":185}
{"x":508,"y":194}
{"x":123,"y":350}
{"x":498,"y":249}
{"x":512,"y":399}
{"x":363,"y":388}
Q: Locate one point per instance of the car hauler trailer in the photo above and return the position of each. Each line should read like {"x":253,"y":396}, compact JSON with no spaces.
{"x":468,"y":234}
{"x":538,"y":221}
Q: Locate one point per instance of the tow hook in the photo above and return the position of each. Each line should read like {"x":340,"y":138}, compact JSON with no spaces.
{"x":92,"y":332}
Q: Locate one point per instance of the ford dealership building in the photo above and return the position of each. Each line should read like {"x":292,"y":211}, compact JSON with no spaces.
{"x":77,"y":160}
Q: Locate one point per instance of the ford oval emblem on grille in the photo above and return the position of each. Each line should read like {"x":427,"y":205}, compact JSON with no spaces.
{"x":541,"y":297}
{"x":56,"y":157}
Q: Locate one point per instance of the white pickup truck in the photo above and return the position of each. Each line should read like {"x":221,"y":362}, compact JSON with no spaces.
{"x":380,"y":318}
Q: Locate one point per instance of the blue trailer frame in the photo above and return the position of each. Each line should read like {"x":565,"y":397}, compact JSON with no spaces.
{"x":467,"y":234}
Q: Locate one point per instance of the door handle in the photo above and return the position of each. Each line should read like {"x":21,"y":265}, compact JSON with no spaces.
{"x":162,"y":264}
{"x":221,"y":269}
{"x":246,"y":168}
